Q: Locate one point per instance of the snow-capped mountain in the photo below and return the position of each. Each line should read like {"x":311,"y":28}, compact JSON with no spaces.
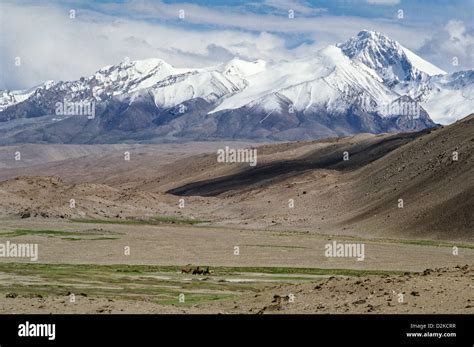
{"x":392,"y":62}
{"x":367,"y":84}
{"x":12,"y":97}
{"x":446,"y":98}
{"x":330,"y":78}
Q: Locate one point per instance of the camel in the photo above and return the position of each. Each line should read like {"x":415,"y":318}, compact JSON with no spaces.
{"x":197,"y":271}
{"x":187,"y":269}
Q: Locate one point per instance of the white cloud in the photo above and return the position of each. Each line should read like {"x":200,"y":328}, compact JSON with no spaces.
{"x":226,"y":17}
{"x":53,"y":46}
{"x":450,"y":45}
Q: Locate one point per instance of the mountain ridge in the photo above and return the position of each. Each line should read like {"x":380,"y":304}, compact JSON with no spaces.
{"x":345,"y":89}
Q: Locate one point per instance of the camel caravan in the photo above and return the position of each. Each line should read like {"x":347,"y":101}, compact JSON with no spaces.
{"x":188,"y":269}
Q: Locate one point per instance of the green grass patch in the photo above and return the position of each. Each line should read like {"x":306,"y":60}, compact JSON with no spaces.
{"x":175,"y":220}
{"x":307,"y":271}
{"x":65,"y":235}
{"x":158,"y":220}
{"x":160,"y":284}
{"x":90,"y":238}
{"x":24,"y":232}
{"x":150,"y":269}
{"x":110,"y":221}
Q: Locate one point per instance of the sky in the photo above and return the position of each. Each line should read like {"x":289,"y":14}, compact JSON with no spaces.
{"x":65,"y":40}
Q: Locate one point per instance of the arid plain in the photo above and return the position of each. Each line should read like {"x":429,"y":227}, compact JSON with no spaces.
{"x":117,"y":226}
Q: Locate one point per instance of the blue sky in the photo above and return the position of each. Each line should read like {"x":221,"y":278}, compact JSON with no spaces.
{"x":52,"y":45}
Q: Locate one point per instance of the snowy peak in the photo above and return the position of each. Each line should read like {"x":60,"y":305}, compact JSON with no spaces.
{"x":328,"y":79}
{"x":9,"y":98}
{"x":130,"y":76}
{"x":243,"y":68}
{"x":207,"y":85}
{"x":393,"y":62}
{"x":370,"y":83}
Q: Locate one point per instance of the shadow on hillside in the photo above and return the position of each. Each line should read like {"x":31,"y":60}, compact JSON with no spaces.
{"x":331,"y":157}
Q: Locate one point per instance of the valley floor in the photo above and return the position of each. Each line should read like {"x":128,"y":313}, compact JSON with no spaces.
{"x":84,"y":268}
{"x":114,"y":235}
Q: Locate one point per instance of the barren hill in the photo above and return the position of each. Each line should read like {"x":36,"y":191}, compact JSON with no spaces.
{"x":430,"y":171}
{"x":359,"y":197}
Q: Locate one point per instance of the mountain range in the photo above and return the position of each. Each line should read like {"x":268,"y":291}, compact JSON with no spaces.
{"x":370,"y":83}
